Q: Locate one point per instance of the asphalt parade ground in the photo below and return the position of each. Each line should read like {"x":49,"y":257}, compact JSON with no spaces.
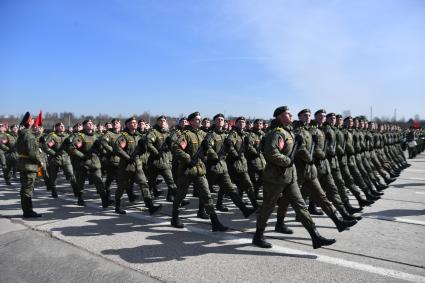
{"x":90,"y":244}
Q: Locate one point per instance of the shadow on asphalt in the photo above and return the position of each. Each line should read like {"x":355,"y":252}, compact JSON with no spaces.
{"x":409,"y":185}
{"x":397,"y":212}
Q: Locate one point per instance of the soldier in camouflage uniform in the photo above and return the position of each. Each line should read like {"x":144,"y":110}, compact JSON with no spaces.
{"x":8,"y":154}
{"x":238,"y":146}
{"x":350,"y":151}
{"x":30,"y":160}
{"x":85,"y":146}
{"x":217,"y":168}
{"x":280,"y":177}
{"x":307,"y":177}
{"x":55,"y":145}
{"x":256,"y":162}
{"x":158,"y":143}
{"x":343,"y":164}
{"x":190,"y":150}
{"x":130,"y":146}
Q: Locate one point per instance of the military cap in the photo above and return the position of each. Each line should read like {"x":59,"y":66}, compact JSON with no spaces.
{"x":331,"y":114}
{"x":161,"y":117}
{"x":347,"y":118}
{"x":304,"y":111}
{"x":280,"y":110}
{"x":130,"y":119}
{"x":356,"y":118}
{"x":371,"y":122}
{"x":258,"y":121}
{"x":140,"y":121}
{"x":115,"y":120}
{"x":193,"y":115}
{"x":240,"y":118}
{"x":338,"y":116}
{"x":218,"y":115}
{"x":58,"y":124}
{"x":320,"y":111}
{"x":25,"y":119}
{"x":76,"y":125}
{"x":86,"y":121}
{"x":205,"y":119}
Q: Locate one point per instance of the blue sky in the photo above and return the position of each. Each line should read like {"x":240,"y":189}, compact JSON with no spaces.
{"x":238,"y":57}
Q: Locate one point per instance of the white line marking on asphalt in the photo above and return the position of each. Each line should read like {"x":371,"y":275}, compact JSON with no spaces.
{"x":420,"y":193}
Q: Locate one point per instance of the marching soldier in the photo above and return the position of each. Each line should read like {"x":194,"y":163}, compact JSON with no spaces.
{"x":130,"y":147}
{"x":238,"y":145}
{"x":190,"y":149}
{"x":8,"y":154}
{"x":280,"y":177}
{"x":256,"y":162}
{"x":158,"y":142}
{"x":55,"y":145}
{"x":85,"y":147}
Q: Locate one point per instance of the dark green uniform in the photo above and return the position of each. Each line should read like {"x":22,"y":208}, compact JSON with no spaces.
{"x":238,"y":146}
{"x":256,"y":160}
{"x":29,"y":161}
{"x":55,"y":145}
{"x":160,"y":160}
{"x":111,"y":158}
{"x":131,"y":147}
{"x":86,"y":147}
{"x":8,"y":155}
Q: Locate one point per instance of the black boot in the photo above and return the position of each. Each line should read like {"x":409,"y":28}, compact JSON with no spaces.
{"x":80,"y":200}
{"x":30,"y":213}
{"x":132,"y":197}
{"x":362,"y":201}
{"x":105,"y":202}
{"x":341,"y":224}
{"x":219,"y":205}
{"x":175,"y":220}
{"x":350,"y":209}
{"x":241,"y":205}
{"x":152,"y":208}
{"x":216,"y":225}
{"x":346,"y":215}
{"x":118,"y":207}
{"x":280,"y":227}
{"x":170,"y":195}
{"x":259,"y":241}
{"x":108,"y":197}
{"x":201,"y":211}
{"x":389,"y":180}
{"x":54,"y":193}
{"x":312,"y":208}
{"x":319,"y":241}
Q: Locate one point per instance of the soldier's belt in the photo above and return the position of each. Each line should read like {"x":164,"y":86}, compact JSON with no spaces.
{"x":24,"y":156}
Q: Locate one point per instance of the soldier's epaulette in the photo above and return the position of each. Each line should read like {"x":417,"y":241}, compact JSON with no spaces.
{"x":279,"y":129}
{"x":125,"y":134}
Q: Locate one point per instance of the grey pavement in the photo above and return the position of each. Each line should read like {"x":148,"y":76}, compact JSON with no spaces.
{"x":90,"y":244}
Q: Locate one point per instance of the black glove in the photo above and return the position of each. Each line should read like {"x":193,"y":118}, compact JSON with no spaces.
{"x":246,"y":141}
{"x":228,"y":142}
{"x":205,"y":145}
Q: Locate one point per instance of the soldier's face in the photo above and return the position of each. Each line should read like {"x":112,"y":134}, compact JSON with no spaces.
{"x":163,"y":123}
{"x":320,"y":118}
{"x":349,"y":123}
{"x":206,"y":123}
{"x":2,"y":128}
{"x":196,"y":122}
{"x":88,"y":126}
{"x":331,"y":120}
{"x":259,"y":125}
{"x":109,"y":126}
{"x":339,"y":121}
{"x":219,"y":122}
{"x":305,"y":117}
{"x":60,"y":128}
{"x":117,"y":125}
{"x":241,"y":124}
{"x":356,"y":123}
{"x":142,"y":125}
{"x":285,"y":117}
{"x":131,"y":125}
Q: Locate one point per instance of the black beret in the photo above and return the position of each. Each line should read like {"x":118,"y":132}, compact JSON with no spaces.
{"x":161,"y":117}
{"x":25,"y":119}
{"x":218,"y":115}
{"x":240,"y":118}
{"x":356,"y":118}
{"x":58,"y":124}
{"x":331,"y":114}
{"x":76,"y":125}
{"x":131,"y":119}
{"x":280,"y":110}
{"x":258,"y":121}
{"x":193,"y":115}
{"x":320,"y":111}
{"x":338,"y":116}
{"x":115,"y":120}
{"x":86,"y":121}
{"x":304,"y":111}
{"x":205,"y":119}
{"x":348,"y":118}
{"x":140,"y":121}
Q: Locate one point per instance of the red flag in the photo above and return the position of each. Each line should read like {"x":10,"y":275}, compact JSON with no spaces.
{"x":39,"y":121}
{"x":416,"y":124}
